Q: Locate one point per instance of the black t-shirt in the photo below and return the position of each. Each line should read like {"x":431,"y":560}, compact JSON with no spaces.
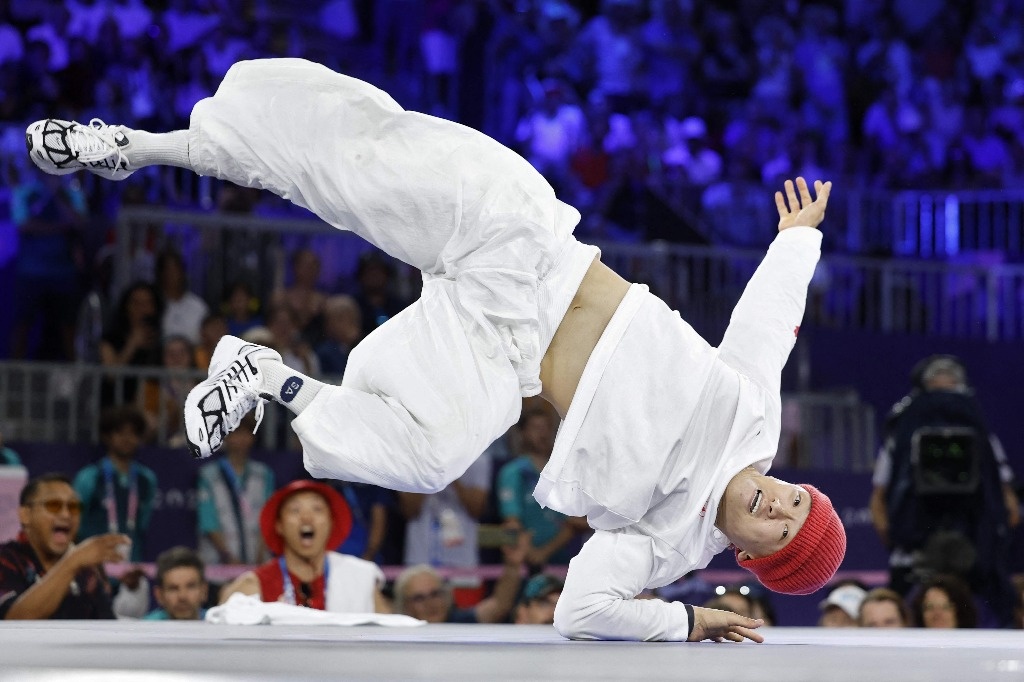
{"x":88,"y":596}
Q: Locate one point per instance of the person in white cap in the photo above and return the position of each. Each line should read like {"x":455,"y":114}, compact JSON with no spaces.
{"x":841,"y":607}
{"x":665,"y":440}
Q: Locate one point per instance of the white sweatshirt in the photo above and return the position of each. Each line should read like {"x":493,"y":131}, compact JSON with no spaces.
{"x":660,"y":423}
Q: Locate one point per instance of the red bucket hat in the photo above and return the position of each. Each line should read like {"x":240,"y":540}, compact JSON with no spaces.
{"x":810,"y":559}
{"x":340,"y":513}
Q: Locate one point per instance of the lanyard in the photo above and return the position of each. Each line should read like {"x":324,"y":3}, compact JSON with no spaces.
{"x":289,"y":589}
{"x":240,"y":504}
{"x":110,"y":500}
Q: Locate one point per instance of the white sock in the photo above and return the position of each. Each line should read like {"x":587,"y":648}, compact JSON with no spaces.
{"x":292,"y":389}
{"x":163,"y":149}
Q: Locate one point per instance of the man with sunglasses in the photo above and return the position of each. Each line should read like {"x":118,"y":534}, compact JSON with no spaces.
{"x":43,"y":574}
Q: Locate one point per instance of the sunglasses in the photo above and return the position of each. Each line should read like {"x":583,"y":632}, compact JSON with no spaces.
{"x":74,"y":507}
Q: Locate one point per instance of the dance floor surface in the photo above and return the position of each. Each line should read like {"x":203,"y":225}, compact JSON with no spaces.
{"x":170,"y":651}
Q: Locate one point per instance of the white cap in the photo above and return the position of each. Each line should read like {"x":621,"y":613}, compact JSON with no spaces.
{"x":847,"y":597}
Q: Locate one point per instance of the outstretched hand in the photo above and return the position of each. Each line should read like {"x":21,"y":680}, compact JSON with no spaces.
{"x":802,"y":210}
{"x":722,"y":626}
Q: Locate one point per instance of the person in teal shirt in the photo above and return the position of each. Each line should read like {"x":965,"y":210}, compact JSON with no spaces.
{"x":117,"y":492}
{"x":180,"y":588}
{"x":554,"y":535}
{"x":7,"y":456}
{"x":232,"y":491}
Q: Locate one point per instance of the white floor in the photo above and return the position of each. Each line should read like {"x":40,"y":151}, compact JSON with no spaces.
{"x":167,"y":651}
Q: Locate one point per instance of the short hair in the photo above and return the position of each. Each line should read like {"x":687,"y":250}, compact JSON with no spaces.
{"x":403,"y":579}
{"x":957,"y":591}
{"x":884,"y":594}
{"x":543,"y":411}
{"x":178,"y":557}
{"x":114,"y":418}
{"x":31,"y":489}
{"x":342,"y":303}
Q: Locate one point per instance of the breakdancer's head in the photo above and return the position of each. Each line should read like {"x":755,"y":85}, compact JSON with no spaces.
{"x":787,"y":535}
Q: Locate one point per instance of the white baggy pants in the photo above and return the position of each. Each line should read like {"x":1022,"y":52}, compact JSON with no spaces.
{"x":427,"y":392}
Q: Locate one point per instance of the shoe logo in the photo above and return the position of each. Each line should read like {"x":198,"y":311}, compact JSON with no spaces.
{"x":121,"y":139}
{"x":290,"y":389}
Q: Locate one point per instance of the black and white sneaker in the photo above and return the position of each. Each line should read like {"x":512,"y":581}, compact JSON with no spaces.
{"x":215,"y":407}
{"x":60,"y":147}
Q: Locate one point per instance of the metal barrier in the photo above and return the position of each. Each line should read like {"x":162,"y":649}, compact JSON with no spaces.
{"x":61,"y":403}
{"x":972,"y":296}
{"x":935,"y":223}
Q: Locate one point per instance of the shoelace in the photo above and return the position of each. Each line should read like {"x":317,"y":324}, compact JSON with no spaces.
{"x":240,"y":409}
{"x":93,"y":142}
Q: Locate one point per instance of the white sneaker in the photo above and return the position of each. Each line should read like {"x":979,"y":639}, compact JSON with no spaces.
{"x":60,"y":147}
{"x":214,"y":408}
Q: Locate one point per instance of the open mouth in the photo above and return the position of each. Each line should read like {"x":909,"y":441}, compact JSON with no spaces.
{"x":61,"y":533}
{"x":755,"y":503}
{"x":307,"y":533}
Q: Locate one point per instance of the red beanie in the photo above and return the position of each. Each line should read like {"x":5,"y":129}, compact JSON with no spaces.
{"x":810,"y":559}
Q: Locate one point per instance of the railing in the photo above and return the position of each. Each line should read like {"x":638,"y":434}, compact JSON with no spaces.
{"x":975,"y":300}
{"x":61,"y":403}
{"x":971,"y":297}
{"x":935,"y":223}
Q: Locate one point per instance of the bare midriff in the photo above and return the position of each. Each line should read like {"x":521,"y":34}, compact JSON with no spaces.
{"x":591,"y":309}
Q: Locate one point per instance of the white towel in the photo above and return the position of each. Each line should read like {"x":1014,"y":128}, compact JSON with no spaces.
{"x":241,"y":609}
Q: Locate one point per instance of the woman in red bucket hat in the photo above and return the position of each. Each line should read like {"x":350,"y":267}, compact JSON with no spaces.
{"x":302,"y":523}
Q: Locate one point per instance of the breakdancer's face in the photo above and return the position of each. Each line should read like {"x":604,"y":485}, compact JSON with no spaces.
{"x":761,"y":514}
{"x":305,"y":524}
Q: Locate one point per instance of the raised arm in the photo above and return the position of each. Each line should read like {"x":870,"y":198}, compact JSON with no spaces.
{"x":598,"y":600}
{"x":765,"y":322}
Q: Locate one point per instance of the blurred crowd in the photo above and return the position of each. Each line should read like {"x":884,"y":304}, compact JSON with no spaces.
{"x":618,"y":102}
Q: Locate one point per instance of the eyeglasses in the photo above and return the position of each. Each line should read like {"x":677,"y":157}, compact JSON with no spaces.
{"x":425,"y":596}
{"x":937,"y":606}
{"x":74,"y":507}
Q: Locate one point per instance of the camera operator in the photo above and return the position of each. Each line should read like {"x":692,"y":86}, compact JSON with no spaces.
{"x":943,"y":498}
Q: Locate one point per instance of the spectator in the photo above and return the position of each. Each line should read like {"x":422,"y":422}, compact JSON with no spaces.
{"x":375,"y":295}
{"x":43,"y":574}
{"x":551,"y":533}
{"x":299,"y":522}
{"x":241,"y":309}
{"x":842,"y":606}
{"x":343,"y":328}
{"x":286,"y":339}
{"x":689,"y":154}
{"x":422,"y":593}
{"x":210,"y":332}
{"x":608,"y":55}
{"x":370,"y":506}
{"x":537,"y":603}
{"x":181,"y":586}
{"x":132,"y":340}
{"x":117,"y":492}
{"x":232,"y":492}
{"x":913,"y":519}
{"x":183,"y":310}
{"x":441,"y":529}
{"x":49,"y":214}
{"x":303,"y":298}
{"x":883,"y":608}
{"x":552,"y":133}
{"x":8,"y":456}
{"x":944,"y":602}
{"x":163,"y":399}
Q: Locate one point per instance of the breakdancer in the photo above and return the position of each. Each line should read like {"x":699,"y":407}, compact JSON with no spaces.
{"x":665,"y":440}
